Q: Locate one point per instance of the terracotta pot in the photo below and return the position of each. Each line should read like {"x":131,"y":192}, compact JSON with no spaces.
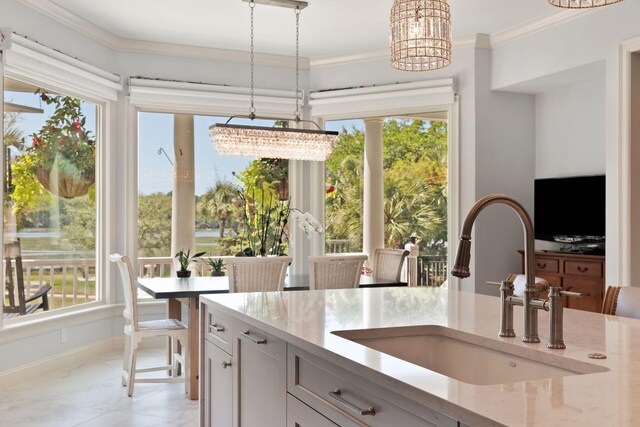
{"x":66,"y":185}
{"x":183,"y":273}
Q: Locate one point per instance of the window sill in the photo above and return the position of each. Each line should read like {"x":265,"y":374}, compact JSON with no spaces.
{"x":42,"y":323}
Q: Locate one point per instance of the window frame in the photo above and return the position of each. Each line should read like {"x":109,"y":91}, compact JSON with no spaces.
{"x":32,"y":63}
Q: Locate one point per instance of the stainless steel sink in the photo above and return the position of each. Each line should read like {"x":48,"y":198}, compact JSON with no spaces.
{"x":467,"y":357}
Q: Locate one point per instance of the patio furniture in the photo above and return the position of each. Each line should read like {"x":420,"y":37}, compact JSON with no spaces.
{"x":387,"y":263}
{"x":257,"y":274}
{"x":622,"y":301}
{"x":136,"y":331}
{"x":335,"y":271}
{"x":23,"y":305}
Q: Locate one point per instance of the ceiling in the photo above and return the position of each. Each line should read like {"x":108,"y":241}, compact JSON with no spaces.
{"x":328,"y":27}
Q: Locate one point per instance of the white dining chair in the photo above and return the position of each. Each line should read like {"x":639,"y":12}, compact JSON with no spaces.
{"x":257,"y":274}
{"x":520,"y":282}
{"x":622,"y":301}
{"x":335,"y":271}
{"x":387,"y":263}
{"x":135,"y":331}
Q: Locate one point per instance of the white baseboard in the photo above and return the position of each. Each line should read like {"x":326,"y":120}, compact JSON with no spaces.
{"x":72,"y":358}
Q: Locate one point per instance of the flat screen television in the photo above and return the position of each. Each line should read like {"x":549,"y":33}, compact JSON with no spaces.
{"x":570,"y":210}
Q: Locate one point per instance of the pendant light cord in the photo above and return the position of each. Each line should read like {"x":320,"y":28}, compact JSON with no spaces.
{"x":252,"y":109}
{"x":297,"y":112}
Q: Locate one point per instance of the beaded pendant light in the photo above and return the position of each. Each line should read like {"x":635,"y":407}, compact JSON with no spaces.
{"x":271,"y":142}
{"x":582,"y":4}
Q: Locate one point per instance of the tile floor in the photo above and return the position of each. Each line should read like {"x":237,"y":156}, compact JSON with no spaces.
{"x":90,"y":394}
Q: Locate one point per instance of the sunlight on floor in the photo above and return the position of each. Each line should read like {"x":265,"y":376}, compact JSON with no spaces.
{"x":91,"y":395}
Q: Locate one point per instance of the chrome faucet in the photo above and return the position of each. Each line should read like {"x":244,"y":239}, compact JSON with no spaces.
{"x":463,"y":257}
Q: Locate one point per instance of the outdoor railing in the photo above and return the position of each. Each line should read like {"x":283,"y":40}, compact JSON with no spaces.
{"x":338,"y":246}
{"x":432,"y":270}
{"x":73,"y":281}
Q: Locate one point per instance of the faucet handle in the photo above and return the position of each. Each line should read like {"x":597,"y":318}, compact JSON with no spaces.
{"x":557,"y":291}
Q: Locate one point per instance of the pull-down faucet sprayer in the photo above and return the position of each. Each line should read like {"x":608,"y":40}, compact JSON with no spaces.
{"x":463,"y":257}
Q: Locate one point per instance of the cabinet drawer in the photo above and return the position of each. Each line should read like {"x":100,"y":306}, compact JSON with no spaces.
{"x":581,"y":268}
{"x":592,"y":287}
{"x":547,"y":265}
{"x":344,"y":397}
{"x":301,"y":415}
{"x":218,"y":330}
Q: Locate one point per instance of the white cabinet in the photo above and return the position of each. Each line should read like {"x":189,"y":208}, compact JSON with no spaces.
{"x":350,"y":400}
{"x":243,"y":374}
{"x":218,"y":387}
{"x":262,"y":377}
{"x":254,"y":379}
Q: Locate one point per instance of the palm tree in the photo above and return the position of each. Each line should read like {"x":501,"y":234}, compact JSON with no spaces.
{"x":218,"y":202}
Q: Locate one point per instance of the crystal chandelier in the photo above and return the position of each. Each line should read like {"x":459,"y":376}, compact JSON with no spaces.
{"x":582,"y":4}
{"x":420,"y":37}
{"x":267,"y":142}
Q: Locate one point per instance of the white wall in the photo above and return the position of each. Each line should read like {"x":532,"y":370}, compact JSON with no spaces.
{"x":588,"y":39}
{"x":505,"y":147}
{"x":570,"y":130}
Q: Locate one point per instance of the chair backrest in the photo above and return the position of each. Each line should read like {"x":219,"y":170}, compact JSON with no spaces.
{"x":130,"y":290}
{"x":520,"y":281}
{"x":622,"y":301}
{"x":387,"y":263}
{"x":13,"y":256}
{"x":335,"y":272}
{"x":257,"y":274}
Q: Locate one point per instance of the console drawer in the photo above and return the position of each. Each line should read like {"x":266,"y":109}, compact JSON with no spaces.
{"x":582,"y":268}
{"x":547,"y":265}
{"x":218,"y":330}
{"x":341,"y":396}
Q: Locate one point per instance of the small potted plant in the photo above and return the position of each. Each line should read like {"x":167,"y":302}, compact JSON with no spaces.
{"x":185,"y":259}
{"x":217,"y":266}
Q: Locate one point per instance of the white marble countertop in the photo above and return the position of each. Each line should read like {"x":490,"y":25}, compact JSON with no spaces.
{"x":307,"y":320}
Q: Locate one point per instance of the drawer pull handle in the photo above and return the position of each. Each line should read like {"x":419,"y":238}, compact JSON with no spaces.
{"x":225,"y":365}
{"x":583,"y":269}
{"x":216,"y":327}
{"x":542,"y":265}
{"x":258,"y":340}
{"x":337,"y":395}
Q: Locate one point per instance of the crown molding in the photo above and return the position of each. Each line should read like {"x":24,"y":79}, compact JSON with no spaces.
{"x":110,"y":40}
{"x":534,"y":26}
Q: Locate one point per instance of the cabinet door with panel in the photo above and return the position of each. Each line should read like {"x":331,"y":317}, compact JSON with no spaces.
{"x":262,"y":373}
{"x":218,"y":387}
{"x":591,"y":289}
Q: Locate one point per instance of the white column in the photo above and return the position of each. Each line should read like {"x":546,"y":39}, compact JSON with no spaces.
{"x":373,"y":206}
{"x":183,"y":212}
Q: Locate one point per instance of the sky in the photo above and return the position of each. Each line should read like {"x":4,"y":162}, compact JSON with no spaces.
{"x":155,"y":143}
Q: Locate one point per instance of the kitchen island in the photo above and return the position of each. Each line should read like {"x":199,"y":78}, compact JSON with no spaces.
{"x":285,"y":357}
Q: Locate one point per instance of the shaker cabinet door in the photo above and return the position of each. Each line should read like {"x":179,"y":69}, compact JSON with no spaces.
{"x":218,"y":387}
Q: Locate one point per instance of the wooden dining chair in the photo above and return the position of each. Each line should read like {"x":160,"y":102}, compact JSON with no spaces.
{"x":135,"y":331}
{"x":387,"y":263}
{"x":520,"y":281}
{"x":19,"y":304}
{"x":335,"y":271}
{"x":622,"y":301}
{"x":257,"y":274}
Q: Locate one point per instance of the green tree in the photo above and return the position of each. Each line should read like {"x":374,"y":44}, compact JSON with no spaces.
{"x":415,"y":181}
{"x":78,"y":224}
{"x":218,"y":202}
{"x":154,"y":225}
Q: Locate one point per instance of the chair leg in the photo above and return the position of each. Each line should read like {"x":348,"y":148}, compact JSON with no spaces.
{"x":174,"y":361}
{"x":126,"y":360}
{"x":185,"y":369}
{"x":133,"y":352}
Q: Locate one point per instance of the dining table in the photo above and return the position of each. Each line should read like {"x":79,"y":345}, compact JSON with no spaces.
{"x":179,"y":291}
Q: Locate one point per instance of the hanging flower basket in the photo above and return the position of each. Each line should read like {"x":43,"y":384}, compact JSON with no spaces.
{"x":63,"y":150}
{"x":65,"y":184}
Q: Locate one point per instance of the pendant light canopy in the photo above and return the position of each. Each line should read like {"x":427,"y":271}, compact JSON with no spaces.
{"x":582,"y":4}
{"x":420,"y":37}
{"x":267,"y":142}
